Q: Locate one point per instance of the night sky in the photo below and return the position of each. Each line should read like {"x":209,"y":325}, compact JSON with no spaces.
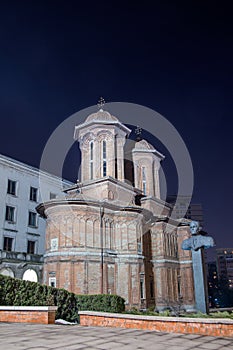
{"x":58,"y":57}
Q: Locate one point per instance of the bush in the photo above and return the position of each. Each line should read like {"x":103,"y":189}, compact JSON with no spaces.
{"x":17,"y":292}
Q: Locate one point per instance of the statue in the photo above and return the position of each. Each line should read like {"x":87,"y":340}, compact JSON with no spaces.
{"x":198,"y":239}
{"x":197,"y":243}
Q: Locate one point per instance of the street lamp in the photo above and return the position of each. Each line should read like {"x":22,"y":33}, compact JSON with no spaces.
{"x":102,"y":248}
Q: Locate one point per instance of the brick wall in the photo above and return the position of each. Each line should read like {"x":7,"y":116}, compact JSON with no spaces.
{"x":24,"y":314}
{"x":211,"y":327}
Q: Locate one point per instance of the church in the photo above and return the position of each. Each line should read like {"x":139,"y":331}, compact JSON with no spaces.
{"x":112,"y":233}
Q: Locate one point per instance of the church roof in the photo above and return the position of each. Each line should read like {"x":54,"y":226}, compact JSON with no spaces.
{"x":101,"y":115}
{"x":144,"y":146}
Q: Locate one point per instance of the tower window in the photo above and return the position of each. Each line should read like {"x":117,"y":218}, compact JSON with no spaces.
{"x":104,"y":159}
{"x":91,"y":159}
{"x":143,"y":180}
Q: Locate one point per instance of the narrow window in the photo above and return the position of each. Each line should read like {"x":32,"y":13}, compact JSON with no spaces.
{"x":33,"y":194}
{"x":11,"y":187}
{"x":7,"y":244}
{"x":32,"y":219}
{"x":52,"y":282}
{"x":52,"y":195}
{"x":142,"y":288}
{"x":143,"y":180}
{"x":151,"y":288}
{"x":139,"y":246}
{"x":10,"y":214}
{"x":104,"y":159}
{"x":31,"y":247}
{"x":91,"y":159}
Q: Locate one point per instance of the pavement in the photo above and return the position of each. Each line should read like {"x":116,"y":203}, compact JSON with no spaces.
{"x":25,"y":336}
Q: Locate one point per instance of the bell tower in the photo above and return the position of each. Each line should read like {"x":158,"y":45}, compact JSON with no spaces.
{"x":101,"y":138}
{"x":146,"y":168}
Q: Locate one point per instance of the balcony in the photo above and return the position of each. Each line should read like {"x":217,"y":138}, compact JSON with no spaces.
{"x":18,"y":256}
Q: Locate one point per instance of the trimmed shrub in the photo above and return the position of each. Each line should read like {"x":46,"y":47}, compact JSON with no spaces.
{"x":17,"y":292}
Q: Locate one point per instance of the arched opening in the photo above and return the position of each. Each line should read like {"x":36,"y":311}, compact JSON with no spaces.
{"x":6,"y":271}
{"x":30,"y":275}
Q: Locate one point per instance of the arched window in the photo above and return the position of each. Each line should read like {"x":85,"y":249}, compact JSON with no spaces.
{"x":143,"y":180}
{"x":104,"y":156}
{"x":91,"y":159}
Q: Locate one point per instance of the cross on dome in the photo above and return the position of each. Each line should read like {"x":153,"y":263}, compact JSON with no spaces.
{"x":101,"y":103}
{"x":138,"y":132}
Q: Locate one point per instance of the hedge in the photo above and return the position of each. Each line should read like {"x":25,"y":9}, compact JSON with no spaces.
{"x":18,"y":292}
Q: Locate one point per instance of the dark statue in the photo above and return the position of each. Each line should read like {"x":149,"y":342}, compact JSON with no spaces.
{"x":197,"y":243}
{"x":198,"y":240}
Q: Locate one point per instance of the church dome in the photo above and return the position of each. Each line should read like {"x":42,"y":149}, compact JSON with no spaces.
{"x":101,"y":116}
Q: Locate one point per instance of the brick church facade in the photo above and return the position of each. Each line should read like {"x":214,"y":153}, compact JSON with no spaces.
{"x":112,"y":235}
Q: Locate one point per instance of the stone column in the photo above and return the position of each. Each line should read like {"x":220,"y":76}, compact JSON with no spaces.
{"x":120,"y":141}
{"x":111,"y":157}
{"x":156,"y":180}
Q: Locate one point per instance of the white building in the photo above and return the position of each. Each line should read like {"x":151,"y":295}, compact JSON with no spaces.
{"x":22,"y":231}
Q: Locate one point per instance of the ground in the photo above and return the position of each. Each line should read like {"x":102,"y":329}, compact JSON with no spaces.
{"x":15,"y":336}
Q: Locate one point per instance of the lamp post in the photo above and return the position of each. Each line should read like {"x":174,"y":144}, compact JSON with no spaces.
{"x":102,"y":248}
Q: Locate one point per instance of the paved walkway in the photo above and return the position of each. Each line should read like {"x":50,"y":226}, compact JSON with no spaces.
{"x":19,"y":336}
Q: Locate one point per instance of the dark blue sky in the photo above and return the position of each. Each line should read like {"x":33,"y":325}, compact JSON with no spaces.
{"x":58,"y":57}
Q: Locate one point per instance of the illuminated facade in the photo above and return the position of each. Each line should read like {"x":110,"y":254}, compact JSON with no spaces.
{"x":112,"y":236}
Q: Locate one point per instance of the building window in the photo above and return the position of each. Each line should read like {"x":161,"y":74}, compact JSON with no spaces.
{"x":143,"y":180}
{"x":32,"y":219}
{"x":142,"y":288}
{"x":104,"y":154}
{"x":33,"y":194}
{"x":91,"y":159}
{"x":151,"y":288}
{"x":10,"y":214}
{"x":7,"y":244}
{"x":52,"y":282}
{"x":11,"y":187}
{"x":54,"y":244}
{"x":139,"y":247}
{"x":31,"y":247}
{"x":52,"y":195}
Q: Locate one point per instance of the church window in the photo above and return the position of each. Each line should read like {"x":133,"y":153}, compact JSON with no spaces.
{"x":104,"y":158}
{"x":91,"y":159}
{"x":143,"y":180}
{"x":142,"y":288}
{"x":139,"y":247}
{"x":151,"y":288}
{"x":52,"y":282}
